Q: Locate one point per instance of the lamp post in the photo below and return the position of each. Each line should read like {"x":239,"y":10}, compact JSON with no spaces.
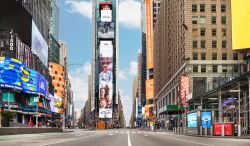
{"x":37,"y":100}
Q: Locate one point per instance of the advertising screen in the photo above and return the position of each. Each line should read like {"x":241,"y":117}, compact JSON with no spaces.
{"x":206,"y":119}
{"x":149,"y":33}
{"x":106,"y":79}
{"x":240,"y":24}
{"x":16,"y":75}
{"x":192,"y":120}
{"x":106,"y":12}
{"x":184,"y":88}
{"x":52,"y":102}
{"x":228,"y":129}
{"x":106,"y":30}
{"x":150,"y":89}
{"x":39,"y":45}
{"x":58,"y":104}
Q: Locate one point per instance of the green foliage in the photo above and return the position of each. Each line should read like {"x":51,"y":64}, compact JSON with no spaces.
{"x":8,"y":115}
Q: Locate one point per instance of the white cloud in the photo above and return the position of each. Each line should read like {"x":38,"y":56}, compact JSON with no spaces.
{"x":122,"y":75}
{"x":79,"y":83}
{"x":129,"y":11}
{"x":133,"y":70}
{"x":127,"y":106}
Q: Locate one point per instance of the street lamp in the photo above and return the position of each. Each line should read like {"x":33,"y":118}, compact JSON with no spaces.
{"x":37,"y":100}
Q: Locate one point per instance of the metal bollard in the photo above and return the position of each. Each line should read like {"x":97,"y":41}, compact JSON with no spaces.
{"x":211,"y":131}
{"x":222,"y":130}
{"x":206,"y":131}
{"x":201,"y":130}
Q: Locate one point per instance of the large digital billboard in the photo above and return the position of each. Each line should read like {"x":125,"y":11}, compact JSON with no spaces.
{"x":184,"y":88}
{"x":39,"y":45}
{"x":149,"y":34}
{"x":192,"y":120}
{"x":150,"y":89}
{"x":206,"y":119}
{"x":240,"y":24}
{"x":105,"y":79}
{"x":106,"y":30}
{"x":16,"y":75}
{"x":106,"y":11}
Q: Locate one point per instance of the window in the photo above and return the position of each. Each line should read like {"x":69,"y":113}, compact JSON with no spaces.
{"x":236,"y":68}
{"x":53,"y":78}
{"x":203,"y":56}
{"x":195,"y":44}
{"x":60,"y":79}
{"x":62,"y":74}
{"x":224,"y":32}
{"x":202,"y":20}
{"x":202,"y":7}
{"x":58,"y":85}
{"x":194,"y":20}
{"x":203,"y":44}
{"x":194,"y":8}
{"x":195,"y":68}
{"x":214,"y":56}
{"x":55,"y":72}
{"x":224,"y":56}
{"x":51,"y":66}
{"x":213,"y":8}
{"x":223,"y":8}
{"x":203,"y":68}
{"x":224,"y":44}
{"x":223,"y":20}
{"x":215,"y":68}
{"x":213,"y":19}
{"x":203,"y":32}
{"x":235,"y":56}
{"x":55,"y":91}
{"x":195,"y":32}
{"x":214,"y":32}
{"x":224,"y":68}
{"x":214,"y":44}
{"x":195,"y":56}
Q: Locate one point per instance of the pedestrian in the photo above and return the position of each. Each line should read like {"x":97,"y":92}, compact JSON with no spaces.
{"x":30,"y":123}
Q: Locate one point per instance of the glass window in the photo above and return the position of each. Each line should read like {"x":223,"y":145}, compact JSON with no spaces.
{"x":60,"y":79}
{"x":235,"y":56}
{"x":202,"y":7}
{"x":7,"y":95}
{"x":203,"y":68}
{"x":203,"y":32}
{"x":195,"y":56}
{"x":194,"y":7}
{"x":214,"y":44}
{"x":214,"y":32}
{"x":215,"y":68}
{"x":236,"y":68}
{"x":224,"y":44}
{"x":224,"y":32}
{"x":194,"y":20}
{"x":195,"y":44}
{"x":195,"y":32}
{"x":224,"y":68}
{"x":53,"y":78}
{"x":224,"y":56}
{"x":213,"y":19}
{"x":195,"y":68}
{"x":213,"y":8}
{"x":223,"y":20}
{"x":202,"y":19}
{"x":214,"y":56}
{"x":55,"y":72}
{"x":203,"y":44}
{"x":203,"y":56}
{"x":223,"y":8}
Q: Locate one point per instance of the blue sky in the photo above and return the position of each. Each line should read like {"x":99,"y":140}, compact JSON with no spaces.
{"x":75,"y":28}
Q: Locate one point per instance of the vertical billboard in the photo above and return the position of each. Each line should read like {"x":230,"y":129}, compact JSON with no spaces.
{"x":106,"y":11}
{"x":149,"y":34}
{"x":206,"y":119}
{"x":150,"y":89}
{"x":39,"y":45}
{"x":184,"y":88}
{"x":106,"y":30}
{"x":105,"y":79}
{"x":192,"y":120}
{"x":240,"y":24}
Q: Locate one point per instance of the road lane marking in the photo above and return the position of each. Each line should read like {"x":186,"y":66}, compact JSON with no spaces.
{"x":190,"y":141}
{"x":129,"y":142}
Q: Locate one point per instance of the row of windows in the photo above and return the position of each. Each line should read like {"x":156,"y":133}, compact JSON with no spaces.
{"x":51,"y":66}
{"x":214,"y":44}
{"x":203,"y":32}
{"x":57,"y":73}
{"x":203,"y":8}
{"x":60,"y":79}
{"x":214,"y":56}
{"x":202,"y":20}
{"x":203,"y":68}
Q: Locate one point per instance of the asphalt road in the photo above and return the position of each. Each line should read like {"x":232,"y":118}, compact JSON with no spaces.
{"x":121,"y":137}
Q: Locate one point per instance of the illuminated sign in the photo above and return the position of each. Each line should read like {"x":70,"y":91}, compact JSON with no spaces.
{"x":106,"y":30}
{"x":16,"y":75}
{"x":106,"y":12}
{"x":240,"y":24}
{"x":150,"y":89}
{"x":184,"y":88}
{"x":192,"y":120}
{"x":149,"y":34}
{"x":206,"y":119}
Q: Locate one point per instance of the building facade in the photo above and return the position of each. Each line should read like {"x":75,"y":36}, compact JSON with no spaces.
{"x":192,"y":47}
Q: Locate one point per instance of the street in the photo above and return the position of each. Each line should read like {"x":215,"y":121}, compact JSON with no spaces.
{"x":120,"y":137}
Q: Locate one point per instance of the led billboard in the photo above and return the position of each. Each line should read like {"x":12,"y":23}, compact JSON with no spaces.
{"x":206,"y":119}
{"x":149,"y":34}
{"x":39,"y":45}
{"x":184,"y":88}
{"x":192,"y":120}
{"x":150,"y":89}
{"x":106,"y":12}
{"x":106,"y":30}
{"x":105,"y":79}
{"x":16,"y":75}
{"x":240,"y":24}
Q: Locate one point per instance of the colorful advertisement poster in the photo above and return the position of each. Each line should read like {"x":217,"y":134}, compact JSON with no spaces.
{"x":150,"y":89}
{"x":149,"y":34}
{"x":16,"y":75}
{"x":39,"y":45}
{"x":228,"y":129}
{"x":184,"y":88}
{"x":192,"y":120}
{"x":206,"y":119}
{"x":106,"y":30}
{"x":106,"y":79}
{"x":58,"y":104}
{"x":106,"y":12}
